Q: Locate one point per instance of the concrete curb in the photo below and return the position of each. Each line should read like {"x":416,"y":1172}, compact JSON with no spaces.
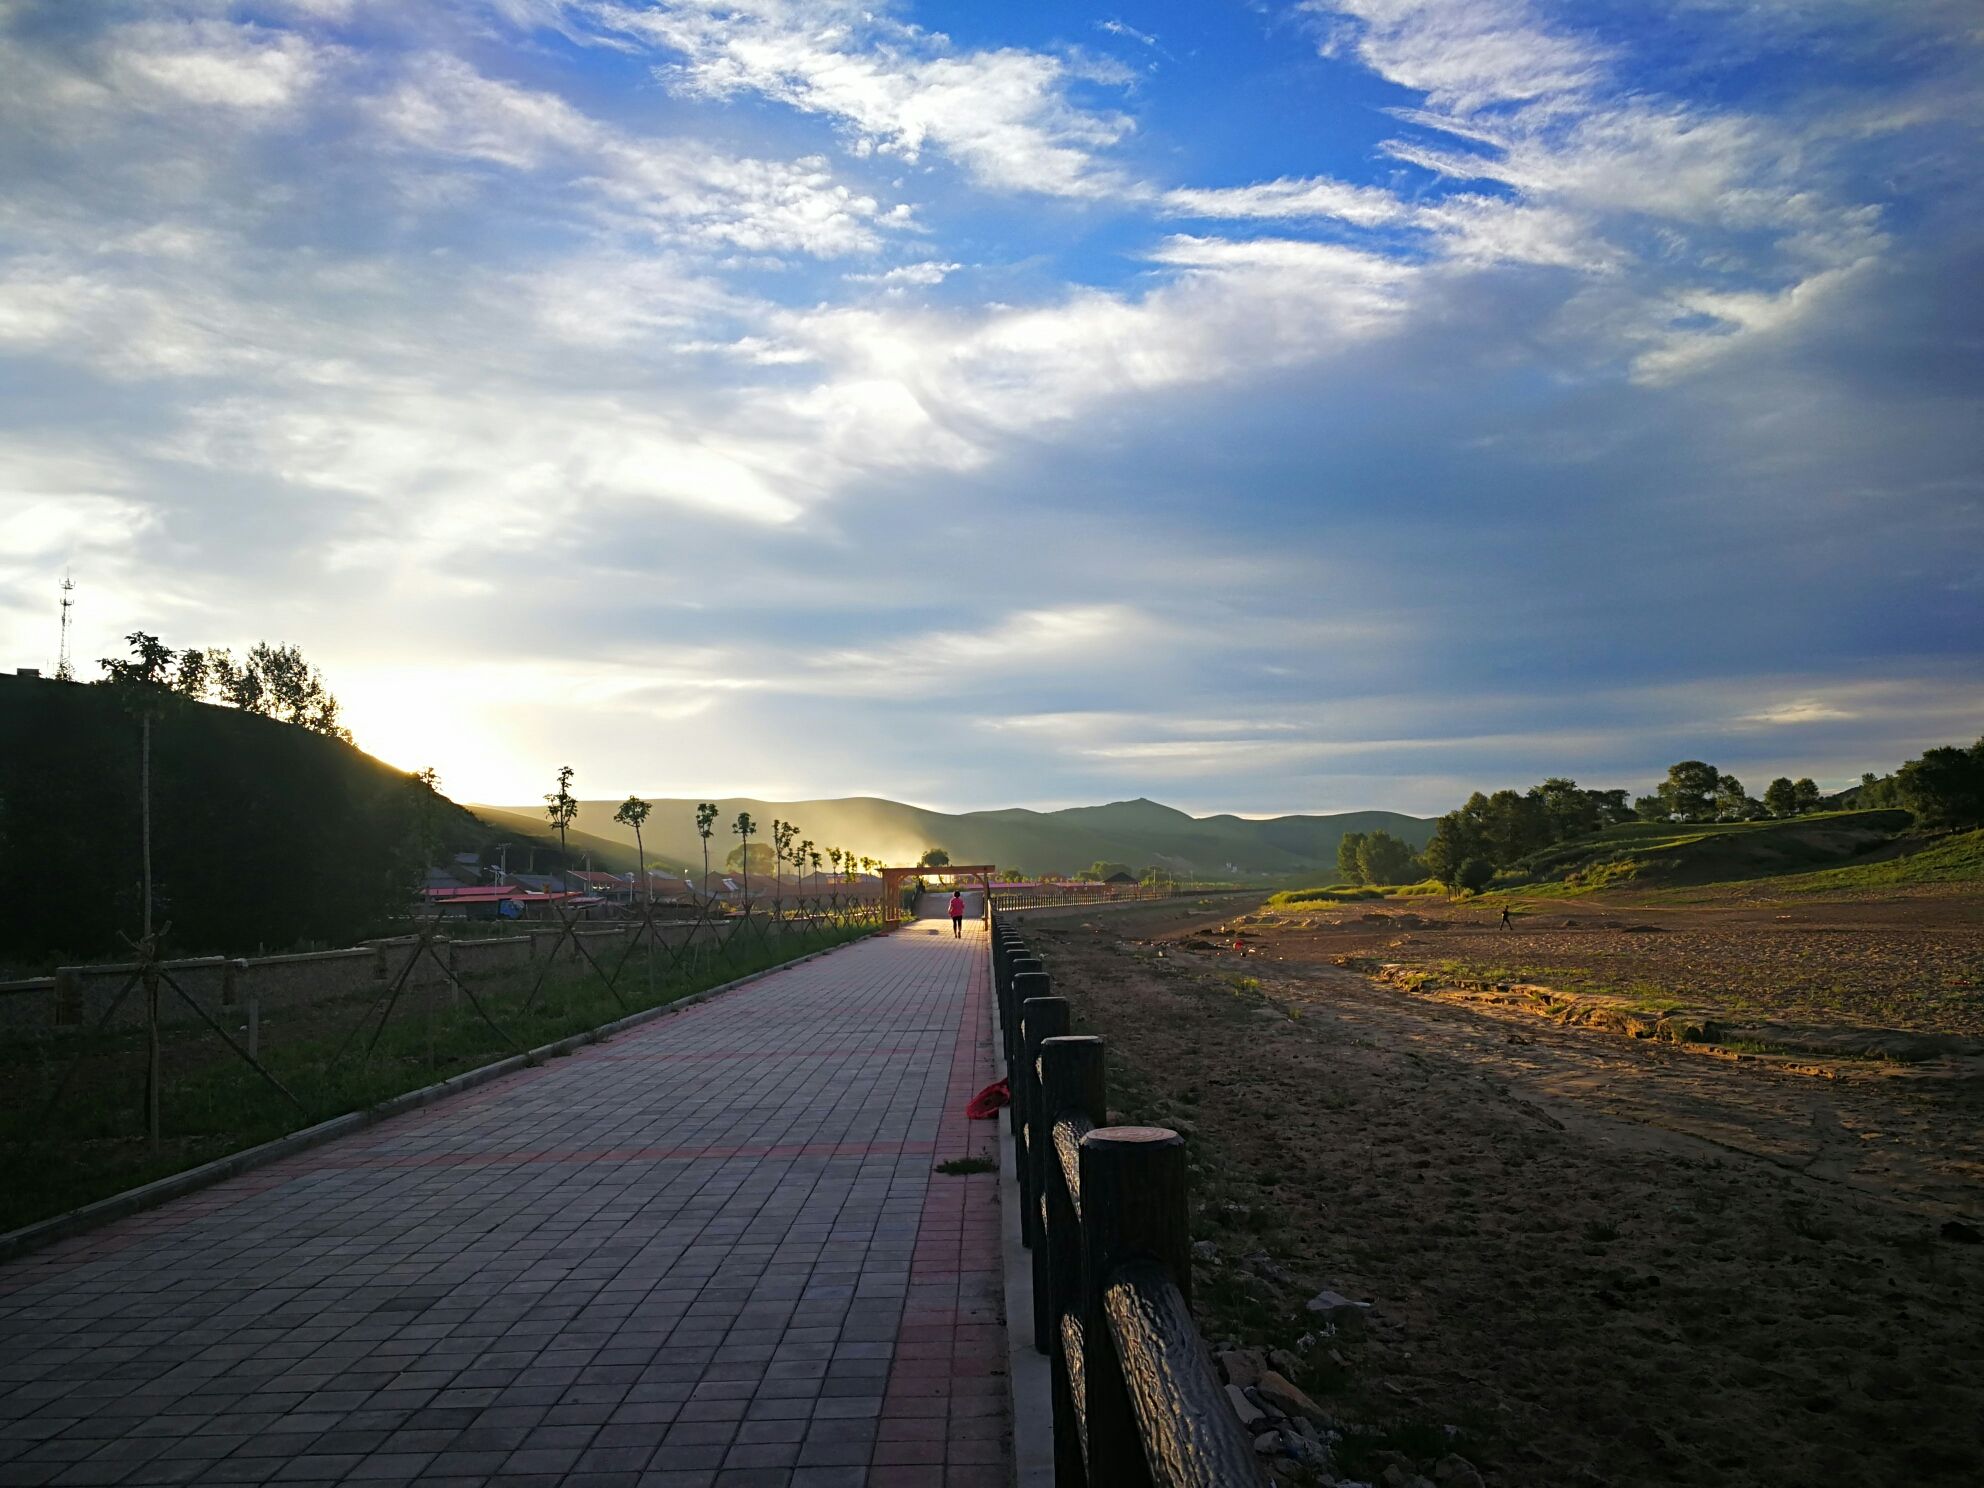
{"x":29,"y":1238}
{"x":1029,"y":1377}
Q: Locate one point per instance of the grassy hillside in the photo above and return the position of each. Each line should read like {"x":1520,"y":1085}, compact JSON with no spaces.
{"x":263,"y":834}
{"x":1654,"y":855}
{"x":1134,"y":832}
{"x":1958,"y":859}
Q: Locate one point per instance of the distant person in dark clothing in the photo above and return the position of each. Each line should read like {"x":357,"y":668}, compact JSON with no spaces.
{"x":957,"y":914}
{"x":1505,"y":917}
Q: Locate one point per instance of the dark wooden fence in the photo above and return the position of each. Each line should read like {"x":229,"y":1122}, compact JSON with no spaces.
{"x":1136,"y":1401}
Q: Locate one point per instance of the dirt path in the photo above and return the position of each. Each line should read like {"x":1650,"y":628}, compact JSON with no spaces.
{"x":1592,"y":1259}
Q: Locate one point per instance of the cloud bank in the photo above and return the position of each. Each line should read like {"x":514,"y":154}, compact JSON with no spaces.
{"x":785,"y":395}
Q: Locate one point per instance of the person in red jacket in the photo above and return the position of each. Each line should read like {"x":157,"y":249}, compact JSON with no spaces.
{"x":957,"y":913}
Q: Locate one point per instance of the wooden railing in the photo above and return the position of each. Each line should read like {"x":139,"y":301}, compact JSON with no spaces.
{"x":1136,"y":1401}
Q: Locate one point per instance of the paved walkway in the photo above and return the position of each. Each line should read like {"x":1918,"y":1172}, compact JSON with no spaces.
{"x":710,"y":1251}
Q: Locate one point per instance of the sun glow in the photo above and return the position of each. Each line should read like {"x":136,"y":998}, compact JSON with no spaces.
{"x":413,"y":718}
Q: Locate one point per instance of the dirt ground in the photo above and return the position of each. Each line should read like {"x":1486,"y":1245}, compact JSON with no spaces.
{"x":1913,"y":961}
{"x":1590,"y":1258}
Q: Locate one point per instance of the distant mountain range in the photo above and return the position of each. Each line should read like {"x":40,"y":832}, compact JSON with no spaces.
{"x":1138,"y":833}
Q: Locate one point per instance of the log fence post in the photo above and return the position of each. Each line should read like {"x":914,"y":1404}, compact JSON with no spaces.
{"x":1073,"y":1089}
{"x":1041,"y":1018}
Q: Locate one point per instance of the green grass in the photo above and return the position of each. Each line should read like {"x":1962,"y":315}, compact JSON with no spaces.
{"x":958,"y":1166}
{"x":1656,"y":855}
{"x":1958,"y":859}
{"x":1328,"y":894}
{"x":213,"y":1104}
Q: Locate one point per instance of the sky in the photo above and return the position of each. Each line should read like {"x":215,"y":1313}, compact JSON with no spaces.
{"x":1257,"y":405}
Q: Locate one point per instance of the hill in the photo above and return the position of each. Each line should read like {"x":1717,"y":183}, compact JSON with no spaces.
{"x":1138,"y":833}
{"x":1651,"y":855}
{"x":263,"y":834}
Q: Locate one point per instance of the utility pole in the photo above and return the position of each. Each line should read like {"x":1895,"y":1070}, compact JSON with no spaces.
{"x":64,"y":672}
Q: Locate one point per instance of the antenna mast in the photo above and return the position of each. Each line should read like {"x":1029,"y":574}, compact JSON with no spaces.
{"x":64,"y":672}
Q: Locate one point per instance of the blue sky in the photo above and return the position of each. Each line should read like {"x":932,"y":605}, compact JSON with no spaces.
{"x":1256,"y":406}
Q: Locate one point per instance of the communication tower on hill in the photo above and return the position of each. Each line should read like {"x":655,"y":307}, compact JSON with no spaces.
{"x":64,"y":672}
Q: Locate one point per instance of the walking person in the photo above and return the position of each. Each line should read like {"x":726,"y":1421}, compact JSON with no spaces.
{"x":957,"y":914}
{"x":1505,"y":917}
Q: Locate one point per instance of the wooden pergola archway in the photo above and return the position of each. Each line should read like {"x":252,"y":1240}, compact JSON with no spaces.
{"x":894,"y":878}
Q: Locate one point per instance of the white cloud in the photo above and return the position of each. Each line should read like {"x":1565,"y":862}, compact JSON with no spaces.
{"x":1004,"y":114}
{"x":930,"y":271}
{"x":211,"y":64}
{"x":1715,"y":225}
{"x":1464,"y":55}
{"x":680,"y":190}
{"x":1290,"y":199}
{"x":1723,"y":321}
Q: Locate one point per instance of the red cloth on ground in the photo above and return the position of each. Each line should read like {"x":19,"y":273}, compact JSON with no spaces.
{"x":985,"y":1105}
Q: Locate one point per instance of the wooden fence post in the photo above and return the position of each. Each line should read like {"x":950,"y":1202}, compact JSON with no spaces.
{"x":1041,"y":1018}
{"x":1073,"y":1088}
{"x":1028,"y":983}
{"x":1022,"y":962}
{"x":1133,"y":1208}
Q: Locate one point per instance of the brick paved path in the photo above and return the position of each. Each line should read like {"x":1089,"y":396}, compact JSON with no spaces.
{"x":711,"y":1251}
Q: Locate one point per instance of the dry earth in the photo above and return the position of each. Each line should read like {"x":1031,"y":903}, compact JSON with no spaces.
{"x":1591,"y":1258}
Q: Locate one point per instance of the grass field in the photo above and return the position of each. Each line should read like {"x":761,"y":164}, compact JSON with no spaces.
{"x":1834,"y":852}
{"x":1652,"y":855}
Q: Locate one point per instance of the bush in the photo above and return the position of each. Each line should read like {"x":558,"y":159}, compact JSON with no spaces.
{"x":1945,"y":788}
{"x":1475,"y":875}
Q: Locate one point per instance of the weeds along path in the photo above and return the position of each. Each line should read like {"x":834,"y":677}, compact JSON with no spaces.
{"x":1591,"y":1259}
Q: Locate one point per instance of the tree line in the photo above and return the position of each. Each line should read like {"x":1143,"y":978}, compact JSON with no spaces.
{"x":561,"y":809}
{"x":270,"y":681}
{"x":1943,"y":790}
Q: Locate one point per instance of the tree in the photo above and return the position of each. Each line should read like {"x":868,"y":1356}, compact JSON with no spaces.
{"x":1514,"y":825}
{"x":1385,"y":859}
{"x":1732,"y":803}
{"x":1347,"y":866}
{"x":1475,"y":875}
{"x":705,"y":825}
{"x":744,"y":827}
{"x":759,"y":857}
{"x":1652,"y":808}
{"x":1571,"y":812}
{"x":1945,"y":787}
{"x":424,"y":792}
{"x":150,"y":664}
{"x":1455,"y":840}
{"x":1099,"y":870}
{"x":1877,"y":791}
{"x":934,"y":857}
{"x":633,"y":813}
{"x":1806,"y":792}
{"x":143,"y":679}
{"x":782,"y":834}
{"x":562,"y":810}
{"x":1612,"y":806}
{"x":191,"y":678}
{"x":834,"y":856}
{"x":1689,"y":790}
